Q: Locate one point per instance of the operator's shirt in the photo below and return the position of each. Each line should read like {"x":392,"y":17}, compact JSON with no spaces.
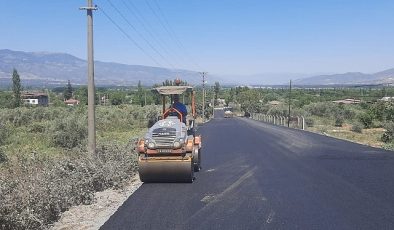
{"x":181,"y":108}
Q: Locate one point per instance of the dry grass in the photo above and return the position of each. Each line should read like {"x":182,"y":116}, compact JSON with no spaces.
{"x":371,"y":137}
{"x":35,"y":190}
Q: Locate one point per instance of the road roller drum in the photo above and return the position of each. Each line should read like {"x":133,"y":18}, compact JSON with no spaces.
{"x":166,"y":170}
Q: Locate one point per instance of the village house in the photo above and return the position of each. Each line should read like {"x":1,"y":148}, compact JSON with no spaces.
{"x":71,"y":102}
{"x":348,"y":101}
{"x":35,"y":98}
{"x":387,"y":99}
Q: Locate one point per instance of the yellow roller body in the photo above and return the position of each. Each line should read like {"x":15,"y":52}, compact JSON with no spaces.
{"x":166,"y":169}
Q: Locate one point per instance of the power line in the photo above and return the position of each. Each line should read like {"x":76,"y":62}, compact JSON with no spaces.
{"x":129,"y":37}
{"x":172,"y":34}
{"x":143,"y":37}
{"x":176,"y":37}
{"x":168,"y":27}
{"x":147,"y":27}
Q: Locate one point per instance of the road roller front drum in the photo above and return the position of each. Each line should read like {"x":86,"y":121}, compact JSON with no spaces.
{"x":166,"y":170}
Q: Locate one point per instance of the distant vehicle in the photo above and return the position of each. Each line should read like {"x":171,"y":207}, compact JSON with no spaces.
{"x":228,"y":113}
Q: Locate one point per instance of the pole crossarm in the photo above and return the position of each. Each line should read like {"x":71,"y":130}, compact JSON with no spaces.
{"x":88,"y":8}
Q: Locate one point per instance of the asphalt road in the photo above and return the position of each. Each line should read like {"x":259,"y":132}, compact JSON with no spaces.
{"x":260,"y":176}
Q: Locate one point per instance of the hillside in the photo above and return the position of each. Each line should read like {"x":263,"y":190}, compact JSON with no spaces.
{"x":53,"y":69}
{"x":351,"y":78}
{"x":41,"y":68}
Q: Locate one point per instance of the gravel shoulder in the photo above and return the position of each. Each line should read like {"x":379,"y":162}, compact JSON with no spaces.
{"x":89,"y":217}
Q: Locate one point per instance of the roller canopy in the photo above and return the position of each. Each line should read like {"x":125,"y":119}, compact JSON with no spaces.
{"x":168,"y":90}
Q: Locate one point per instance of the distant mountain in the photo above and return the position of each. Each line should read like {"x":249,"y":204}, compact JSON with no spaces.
{"x":54,"y":69}
{"x":262,"y":78}
{"x":41,"y":68}
{"x":351,"y":78}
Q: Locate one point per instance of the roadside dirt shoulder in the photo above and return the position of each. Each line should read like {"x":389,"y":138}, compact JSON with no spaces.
{"x":95,"y":215}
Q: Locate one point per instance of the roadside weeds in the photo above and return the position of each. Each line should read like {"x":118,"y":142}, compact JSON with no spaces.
{"x":90,"y":217}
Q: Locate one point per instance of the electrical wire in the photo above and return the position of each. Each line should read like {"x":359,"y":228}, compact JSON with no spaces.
{"x":164,"y":23}
{"x":143,"y":37}
{"x":129,"y":37}
{"x":148,"y":28}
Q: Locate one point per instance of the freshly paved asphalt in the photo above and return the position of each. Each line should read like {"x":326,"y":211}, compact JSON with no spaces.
{"x":260,"y":176}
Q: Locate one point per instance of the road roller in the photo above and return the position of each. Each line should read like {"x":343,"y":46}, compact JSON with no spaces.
{"x":171,"y":150}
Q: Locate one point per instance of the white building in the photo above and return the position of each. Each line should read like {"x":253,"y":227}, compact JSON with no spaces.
{"x":35,"y":98}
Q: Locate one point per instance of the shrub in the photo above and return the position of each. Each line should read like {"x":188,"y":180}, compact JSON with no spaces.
{"x":280,"y":110}
{"x":348,"y":113}
{"x":357,"y":128}
{"x":151,"y":116}
{"x":389,"y":146}
{"x":4,"y":132}
{"x":37,"y":127}
{"x":339,"y":121}
{"x":321,"y":109}
{"x":21,"y":116}
{"x":24,"y":116}
{"x":3,"y":157}
{"x":125,"y":117}
{"x":69,"y":132}
{"x":388,"y":135}
{"x":389,"y":111}
{"x":35,"y":191}
{"x":309,"y":122}
{"x":366,"y":119}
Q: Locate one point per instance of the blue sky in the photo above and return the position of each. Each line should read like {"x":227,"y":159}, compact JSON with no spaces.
{"x":237,"y":37}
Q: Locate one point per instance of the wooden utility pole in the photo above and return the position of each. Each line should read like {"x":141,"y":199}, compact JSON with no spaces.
{"x":91,"y":88}
{"x":288,"y":120}
{"x":213,"y":101}
{"x":203,"y":95}
{"x":144,"y":97}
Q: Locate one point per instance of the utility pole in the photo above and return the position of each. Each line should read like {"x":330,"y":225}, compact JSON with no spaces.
{"x":288,"y":120}
{"x":49,"y":97}
{"x":203,"y":95}
{"x":91,"y":88}
{"x":213,"y":101}
{"x":144,"y":97}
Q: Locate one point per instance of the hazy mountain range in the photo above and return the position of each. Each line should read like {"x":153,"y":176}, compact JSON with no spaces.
{"x":351,"y":78}
{"x":41,"y":68}
{"x":53,"y":69}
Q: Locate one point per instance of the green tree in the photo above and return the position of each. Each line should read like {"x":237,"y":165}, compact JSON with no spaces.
{"x":216,"y":89}
{"x":366,"y":119}
{"x":140,"y":94}
{"x":389,"y":112}
{"x":82,"y":95}
{"x":68,"y":91}
{"x":388,"y":135}
{"x":16,"y":88}
{"x":249,"y":100}
{"x":6,"y":99}
{"x":156,"y":96}
{"x":117,"y":98}
{"x":230,"y":96}
{"x":167,"y":82}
